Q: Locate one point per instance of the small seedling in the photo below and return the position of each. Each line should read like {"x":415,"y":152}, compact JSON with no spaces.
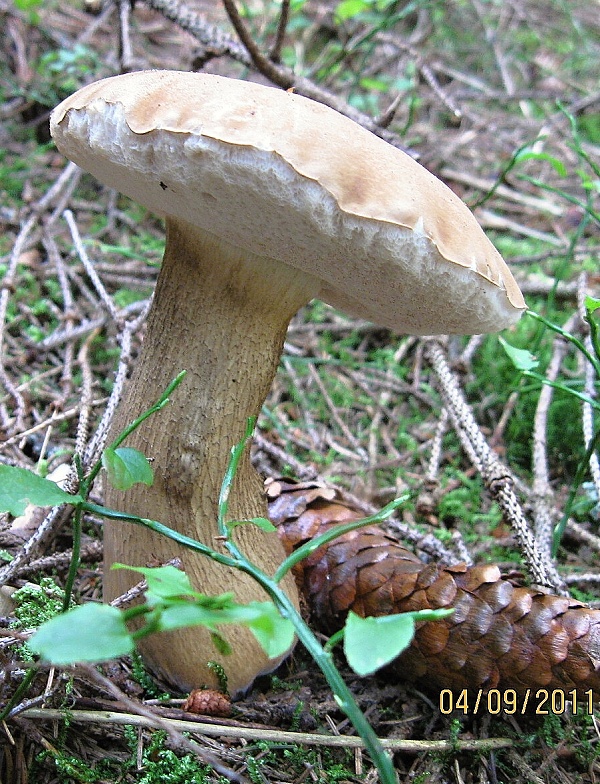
{"x":95,"y":632}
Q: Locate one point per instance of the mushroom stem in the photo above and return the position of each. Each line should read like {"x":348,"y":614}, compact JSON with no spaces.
{"x":222,"y":317}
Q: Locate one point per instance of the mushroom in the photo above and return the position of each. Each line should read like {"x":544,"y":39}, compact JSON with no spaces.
{"x":270,"y":200}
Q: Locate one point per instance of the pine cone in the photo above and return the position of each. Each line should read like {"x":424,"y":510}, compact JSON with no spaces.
{"x":208,"y":702}
{"x":501,"y":635}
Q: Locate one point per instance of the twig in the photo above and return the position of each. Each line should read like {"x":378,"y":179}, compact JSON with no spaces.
{"x":497,"y":477}
{"x":140,"y":587}
{"x":541,"y":490}
{"x":52,"y":522}
{"x":583,"y":535}
{"x":579,"y":578}
{"x":212,"y":37}
{"x":97,"y":22}
{"x":86,"y":399}
{"x":492,"y":39}
{"x":96,"y":444}
{"x":590,"y":381}
{"x":139,"y":711}
{"x":266,"y":735}
{"x":68,"y":313}
{"x":492,"y":220}
{"x":284,"y":16}
{"x":541,"y":287}
{"x":529,"y":774}
{"x":91,"y":551}
{"x":305,"y":407}
{"x":301,"y":470}
{"x":207,"y":34}
{"x":446,"y":99}
{"x":89,"y":267}
{"x":504,"y":418}
{"x":506,"y":192}
{"x":60,"y":192}
{"x":282,"y":77}
{"x":350,"y":437}
{"x":69,"y":334}
{"x":64,"y":416}
{"x":126,"y":57}
{"x":7,"y":287}
{"x":387,"y":115}
{"x":469,"y":351}
{"x":435,"y":455}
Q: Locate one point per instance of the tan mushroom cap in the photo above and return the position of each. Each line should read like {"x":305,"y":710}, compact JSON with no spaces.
{"x":290,"y":179}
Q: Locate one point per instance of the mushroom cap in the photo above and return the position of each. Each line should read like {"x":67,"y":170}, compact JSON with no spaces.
{"x":293,"y":180}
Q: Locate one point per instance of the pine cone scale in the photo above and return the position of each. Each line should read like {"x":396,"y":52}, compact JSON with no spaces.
{"x":501,"y":635}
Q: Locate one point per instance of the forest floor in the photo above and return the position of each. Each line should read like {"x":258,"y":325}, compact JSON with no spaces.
{"x":501,"y":101}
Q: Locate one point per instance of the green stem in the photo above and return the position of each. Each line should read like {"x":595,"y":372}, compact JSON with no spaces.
{"x":567,"y":336}
{"x":20,"y":692}
{"x":236,"y":454}
{"x":159,"y":528}
{"x":593,"y":325}
{"x":75,"y":558}
{"x":85,"y":484}
{"x":562,"y":387}
{"x":342,"y":694}
{"x":335,"y":639}
{"x":579,"y":475}
{"x":237,"y":560}
{"x":339,"y":530}
{"x":160,"y":404}
{"x":324,"y":661}
{"x":134,"y":612}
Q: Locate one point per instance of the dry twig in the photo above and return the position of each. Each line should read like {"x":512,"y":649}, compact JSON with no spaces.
{"x":497,"y":477}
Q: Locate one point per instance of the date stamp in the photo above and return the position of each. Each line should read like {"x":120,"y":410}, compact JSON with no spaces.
{"x":541,"y":702}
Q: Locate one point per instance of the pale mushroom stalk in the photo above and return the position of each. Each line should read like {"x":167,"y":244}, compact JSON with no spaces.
{"x":221,"y":316}
{"x":270,"y":199}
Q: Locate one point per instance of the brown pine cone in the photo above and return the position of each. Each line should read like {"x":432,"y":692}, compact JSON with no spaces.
{"x":208,"y":702}
{"x":502,"y":634}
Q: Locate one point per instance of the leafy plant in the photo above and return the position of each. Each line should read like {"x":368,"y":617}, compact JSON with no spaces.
{"x":94,"y":632}
{"x":30,"y":9}
{"x":525,"y":362}
{"x":168,"y":768}
{"x":63,"y":71}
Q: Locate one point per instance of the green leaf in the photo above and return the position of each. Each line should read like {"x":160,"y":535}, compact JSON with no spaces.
{"x":348,"y":9}
{"x":522,"y":359}
{"x":126,"y":467}
{"x":26,"y":5}
{"x":178,"y":605}
{"x":591,"y":304}
{"x":370,"y":83}
{"x":589,"y":126}
{"x":259,"y":522}
{"x":528,"y":155}
{"x":20,"y":487}
{"x":177,"y":614}
{"x":274,"y":632}
{"x":89,"y":633}
{"x":371,"y":643}
{"x":164,"y":582}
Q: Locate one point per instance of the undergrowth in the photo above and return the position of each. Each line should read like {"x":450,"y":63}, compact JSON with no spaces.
{"x":478,"y":85}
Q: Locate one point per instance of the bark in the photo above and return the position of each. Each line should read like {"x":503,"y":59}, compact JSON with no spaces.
{"x":502,"y":634}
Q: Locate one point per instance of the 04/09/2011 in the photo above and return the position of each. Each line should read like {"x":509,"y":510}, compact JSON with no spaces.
{"x":540,"y":702}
